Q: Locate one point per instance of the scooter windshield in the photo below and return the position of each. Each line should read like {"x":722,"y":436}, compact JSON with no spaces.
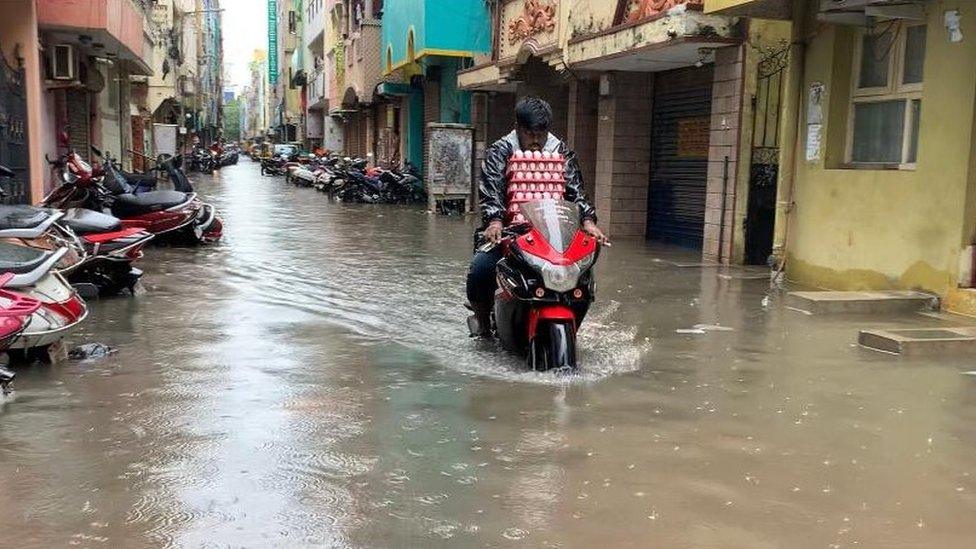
{"x":557,"y":220}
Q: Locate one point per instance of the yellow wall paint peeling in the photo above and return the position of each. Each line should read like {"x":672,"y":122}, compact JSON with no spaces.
{"x":919,"y":276}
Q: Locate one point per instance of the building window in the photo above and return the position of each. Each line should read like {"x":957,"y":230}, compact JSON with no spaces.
{"x":886,"y":100}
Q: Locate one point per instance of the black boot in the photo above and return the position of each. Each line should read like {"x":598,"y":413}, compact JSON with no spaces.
{"x":479,"y":324}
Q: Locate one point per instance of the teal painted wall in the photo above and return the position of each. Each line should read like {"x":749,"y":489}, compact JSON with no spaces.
{"x":455,"y":104}
{"x":459,"y":25}
{"x":415,"y":128}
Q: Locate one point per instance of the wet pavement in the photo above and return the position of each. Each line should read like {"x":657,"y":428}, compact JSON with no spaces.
{"x":308,"y":383}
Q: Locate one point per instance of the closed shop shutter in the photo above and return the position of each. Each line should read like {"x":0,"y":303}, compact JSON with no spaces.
{"x":679,"y":156}
{"x":432,"y":106}
{"x":354,"y":139}
{"x":79,"y":122}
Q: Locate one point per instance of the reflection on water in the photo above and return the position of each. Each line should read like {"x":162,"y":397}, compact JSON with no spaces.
{"x":308,"y":383}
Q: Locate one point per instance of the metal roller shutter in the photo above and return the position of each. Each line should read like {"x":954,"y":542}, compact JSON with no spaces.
{"x":79,"y":122}
{"x":679,"y":156}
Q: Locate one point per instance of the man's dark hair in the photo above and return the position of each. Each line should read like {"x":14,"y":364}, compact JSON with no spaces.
{"x":533,"y":113}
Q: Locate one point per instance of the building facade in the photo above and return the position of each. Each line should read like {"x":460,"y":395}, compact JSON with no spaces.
{"x":101,"y":73}
{"x":256,"y":99}
{"x":321,"y":129}
{"x":424,"y":45}
{"x":355,"y":62}
{"x":649,"y":94}
{"x":287,"y":121}
{"x":874,"y":188}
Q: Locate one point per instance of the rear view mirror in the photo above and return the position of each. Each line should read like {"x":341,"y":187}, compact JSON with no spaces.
{"x":6,"y":172}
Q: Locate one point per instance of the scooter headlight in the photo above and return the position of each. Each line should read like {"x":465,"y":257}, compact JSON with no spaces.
{"x":68,"y":177}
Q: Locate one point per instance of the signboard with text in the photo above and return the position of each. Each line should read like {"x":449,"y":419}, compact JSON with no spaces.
{"x":272,"y":42}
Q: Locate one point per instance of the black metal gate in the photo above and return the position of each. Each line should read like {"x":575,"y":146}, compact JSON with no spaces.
{"x":14,"y":152}
{"x":764,"y":169}
{"x":681,"y":117}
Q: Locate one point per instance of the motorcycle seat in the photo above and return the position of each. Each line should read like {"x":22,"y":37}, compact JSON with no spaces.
{"x":21,"y":217}
{"x":140,"y":179}
{"x":83,"y":221}
{"x":126,"y":205}
{"x":20,"y":259}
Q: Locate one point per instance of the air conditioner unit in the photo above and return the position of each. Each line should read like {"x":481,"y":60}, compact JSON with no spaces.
{"x":63,"y":62}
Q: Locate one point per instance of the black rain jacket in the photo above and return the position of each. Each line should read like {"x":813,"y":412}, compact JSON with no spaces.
{"x":493,"y":198}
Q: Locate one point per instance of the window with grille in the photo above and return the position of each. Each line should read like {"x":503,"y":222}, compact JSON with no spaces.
{"x":886,"y":100}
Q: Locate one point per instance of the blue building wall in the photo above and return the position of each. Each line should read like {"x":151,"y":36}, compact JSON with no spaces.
{"x":453,"y":28}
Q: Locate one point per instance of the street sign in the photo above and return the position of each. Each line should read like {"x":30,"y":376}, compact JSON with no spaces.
{"x":272,"y":42}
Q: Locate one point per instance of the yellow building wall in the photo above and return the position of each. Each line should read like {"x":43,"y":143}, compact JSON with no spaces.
{"x":883,"y":229}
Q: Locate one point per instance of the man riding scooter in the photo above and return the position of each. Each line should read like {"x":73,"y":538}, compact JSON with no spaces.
{"x":533,"y":119}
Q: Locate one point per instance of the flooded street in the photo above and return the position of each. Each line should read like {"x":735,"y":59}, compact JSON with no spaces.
{"x":309,"y":382}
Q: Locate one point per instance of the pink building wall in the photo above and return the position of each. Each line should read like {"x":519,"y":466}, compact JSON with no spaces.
{"x":18,"y":27}
{"x":118,"y":17}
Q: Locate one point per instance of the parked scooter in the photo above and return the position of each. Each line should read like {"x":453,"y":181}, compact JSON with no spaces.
{"x":35,"y":227}
{"x":98,"y":251}
{"x":111,"y":250}
{"x":15,"y":314}
{"x":61,"y":308}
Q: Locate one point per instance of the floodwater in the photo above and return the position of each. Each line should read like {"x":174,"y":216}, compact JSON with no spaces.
{"x":309,"y":383}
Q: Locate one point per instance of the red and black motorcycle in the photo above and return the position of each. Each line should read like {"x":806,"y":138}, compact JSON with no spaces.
{"x":545,"y":283}
{"x":175,"y":215}
{"x":545,"y":276}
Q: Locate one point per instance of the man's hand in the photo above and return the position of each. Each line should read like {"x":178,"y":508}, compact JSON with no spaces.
{"x":590,"y":228}
{"x":493,"y":232}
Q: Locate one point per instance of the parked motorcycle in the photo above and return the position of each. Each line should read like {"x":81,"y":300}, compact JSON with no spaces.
{"x":176,"y":215}
{"x":202,"y":160}
{"x":229,"y":158}
{"x":545,"y":284}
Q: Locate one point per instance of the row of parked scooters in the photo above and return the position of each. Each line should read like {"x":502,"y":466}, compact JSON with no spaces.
{"x":83,"y":241}
{"x":208,"y":160}
{"x":349,"y":179}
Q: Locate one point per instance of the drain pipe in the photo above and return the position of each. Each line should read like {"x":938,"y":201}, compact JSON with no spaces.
{"x":725,"y":195}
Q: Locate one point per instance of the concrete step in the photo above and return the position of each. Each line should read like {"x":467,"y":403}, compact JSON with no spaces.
{"x":920,"y":341}
{"x":880,"y":302}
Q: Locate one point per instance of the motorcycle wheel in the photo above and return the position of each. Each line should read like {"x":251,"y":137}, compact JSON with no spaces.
{"x":554,"y":348}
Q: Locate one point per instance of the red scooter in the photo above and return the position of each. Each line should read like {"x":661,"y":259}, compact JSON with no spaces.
{"x":15,"y":314}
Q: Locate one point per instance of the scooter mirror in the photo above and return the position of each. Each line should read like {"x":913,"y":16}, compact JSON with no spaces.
{"x":6,"y":172}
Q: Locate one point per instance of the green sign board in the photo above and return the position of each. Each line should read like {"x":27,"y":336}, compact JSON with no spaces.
{"x":272,"y":42}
